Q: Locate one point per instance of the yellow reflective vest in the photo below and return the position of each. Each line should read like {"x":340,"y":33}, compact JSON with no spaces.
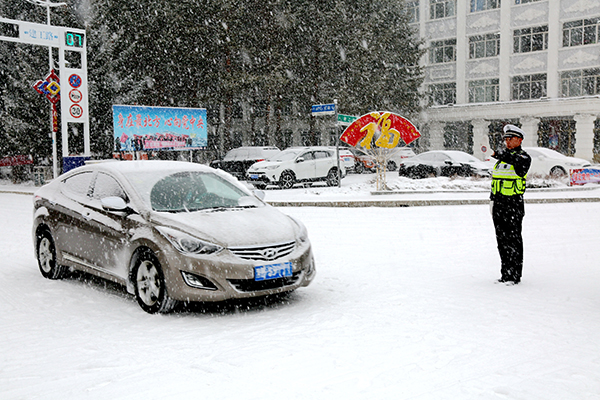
{"x":505,"y":180}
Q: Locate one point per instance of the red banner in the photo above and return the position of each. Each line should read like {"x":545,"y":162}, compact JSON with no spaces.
{"x":15,"y":160}
{"x":381,"y":129}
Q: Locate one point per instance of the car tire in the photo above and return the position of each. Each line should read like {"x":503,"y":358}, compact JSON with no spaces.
{"x":391,"y":166}
{"x":287,"y":180}
{"x":150,"y":286}
{"x":359,"y":167}
{"x":333,"y":178}
{"x":46,"y":256}
{"x":558,"y":172}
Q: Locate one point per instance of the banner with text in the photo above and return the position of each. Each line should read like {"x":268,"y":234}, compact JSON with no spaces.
{"x":140,"y":128}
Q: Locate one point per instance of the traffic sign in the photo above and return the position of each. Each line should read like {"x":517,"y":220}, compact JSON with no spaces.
{"x":75,"y":96}
{"x":346,"y":119}
{"x":75,"y":80}
{"x":323,"y":109}
{"x":76,"y":111}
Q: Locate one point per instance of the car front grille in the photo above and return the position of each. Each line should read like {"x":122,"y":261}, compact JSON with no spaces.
{"x":250,"y":285}
{"x":264,"y":253}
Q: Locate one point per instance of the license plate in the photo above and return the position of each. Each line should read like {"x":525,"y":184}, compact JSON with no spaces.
{"x":253,"y":176}
{"x":272,"y":271}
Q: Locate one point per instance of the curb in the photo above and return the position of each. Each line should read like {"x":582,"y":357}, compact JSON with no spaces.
{"x":416,"y":203}
{"x":392,"y":203}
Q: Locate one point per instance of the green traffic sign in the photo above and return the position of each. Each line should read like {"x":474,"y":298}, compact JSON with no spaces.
{"x":346,"y":118}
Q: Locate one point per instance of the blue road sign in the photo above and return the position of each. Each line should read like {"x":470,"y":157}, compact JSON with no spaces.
{"x":323,"y":109}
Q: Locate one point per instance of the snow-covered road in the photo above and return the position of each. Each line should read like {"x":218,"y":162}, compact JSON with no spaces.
{"x":403,"y":307}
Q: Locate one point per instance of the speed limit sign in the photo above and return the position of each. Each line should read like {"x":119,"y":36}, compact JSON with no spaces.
{"x":76,"y":111}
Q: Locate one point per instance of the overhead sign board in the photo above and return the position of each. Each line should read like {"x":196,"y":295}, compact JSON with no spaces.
{"x":139,"y":128}
{"x":44,"y":35}
{"x":323,"y":109}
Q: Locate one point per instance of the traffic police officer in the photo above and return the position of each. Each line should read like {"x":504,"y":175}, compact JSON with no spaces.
{"x":508,"y":209}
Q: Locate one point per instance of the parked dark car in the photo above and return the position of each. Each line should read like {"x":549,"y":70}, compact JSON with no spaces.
{"x":237,"y":161}
{"x":444,"y":163}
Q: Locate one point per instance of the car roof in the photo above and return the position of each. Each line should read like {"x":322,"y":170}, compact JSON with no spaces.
{"x":125,"y":167}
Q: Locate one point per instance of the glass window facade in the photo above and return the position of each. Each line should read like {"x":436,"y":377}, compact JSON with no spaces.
{"x":584,"y":82}
{"x":482,"y":46}
{"x":484,"y":91}
{"x":442,"y":51}
{"x":530,"y":39}
{"x":442,"y":93}
{"x":481,"y":5}
{"x":578,"y":33}
{"x":528,"y":87}
{"x":442,"y":8}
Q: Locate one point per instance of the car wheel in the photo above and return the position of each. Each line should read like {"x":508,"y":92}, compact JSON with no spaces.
{"x":46,"y":255}
{"x":359,"y":167}
{"x":558,"y":172}
{"x":333,"y":178}
{"x":150,"y":287}
{"x":287,"y":180}
{"x":391,"y":166}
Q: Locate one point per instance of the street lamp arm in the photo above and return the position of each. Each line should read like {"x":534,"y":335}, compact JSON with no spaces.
{"x":46,"y":3}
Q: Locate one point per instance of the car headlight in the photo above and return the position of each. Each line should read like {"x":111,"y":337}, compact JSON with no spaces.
{"x":302,"y":233}
{"x":187,"y":244}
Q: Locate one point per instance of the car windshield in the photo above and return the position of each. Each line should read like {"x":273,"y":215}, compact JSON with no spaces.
{"x":188,"y":191}
{"x":549,"y":153}
{"x":464,"y":158}
{"x":285,"y":155}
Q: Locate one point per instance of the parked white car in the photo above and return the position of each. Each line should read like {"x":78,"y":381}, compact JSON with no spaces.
{"x":297,"y":165}
{"x":547,"y":162}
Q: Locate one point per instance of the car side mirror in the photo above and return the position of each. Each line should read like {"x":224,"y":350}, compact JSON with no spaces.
{"x":114,"y":203}
{"x":300,"y":159}
{"x":259,"y":193}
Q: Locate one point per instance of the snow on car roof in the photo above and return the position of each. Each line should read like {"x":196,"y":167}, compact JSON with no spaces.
{"x":148,"y":165}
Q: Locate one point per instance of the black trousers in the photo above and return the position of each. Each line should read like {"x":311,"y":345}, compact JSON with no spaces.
{"x":507,"y":214}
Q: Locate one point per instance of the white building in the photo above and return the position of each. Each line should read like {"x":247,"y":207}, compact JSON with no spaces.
{"x":535,"y":63}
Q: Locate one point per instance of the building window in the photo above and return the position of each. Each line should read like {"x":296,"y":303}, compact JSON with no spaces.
{"x":528,"y":87}
{"x":531,"y":39}
{"x":442,"y":51}
{"x":481,"y":5}
{"x":482,"y":46}
{"x":484,"y":91}
{"x":584,"y":82}
{"x":577,"y":33}
{"x":442,"y":93}
{"x":441,"y":8}
{"x":412,"y":10}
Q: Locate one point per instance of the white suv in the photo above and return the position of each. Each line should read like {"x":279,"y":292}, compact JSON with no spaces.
{"x":296,"y":165}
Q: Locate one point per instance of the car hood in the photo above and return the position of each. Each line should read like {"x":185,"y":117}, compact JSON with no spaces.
{"x":264,"y":164}
{"x":233,"y":227}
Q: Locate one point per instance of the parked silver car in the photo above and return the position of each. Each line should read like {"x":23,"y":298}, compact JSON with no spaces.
{"x":169,"y":231}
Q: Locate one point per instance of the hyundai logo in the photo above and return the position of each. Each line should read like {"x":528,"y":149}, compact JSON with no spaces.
{"x":269,"y":254}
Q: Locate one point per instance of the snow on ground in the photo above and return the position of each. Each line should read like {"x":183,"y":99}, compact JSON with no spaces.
{"x":403,"y":307}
